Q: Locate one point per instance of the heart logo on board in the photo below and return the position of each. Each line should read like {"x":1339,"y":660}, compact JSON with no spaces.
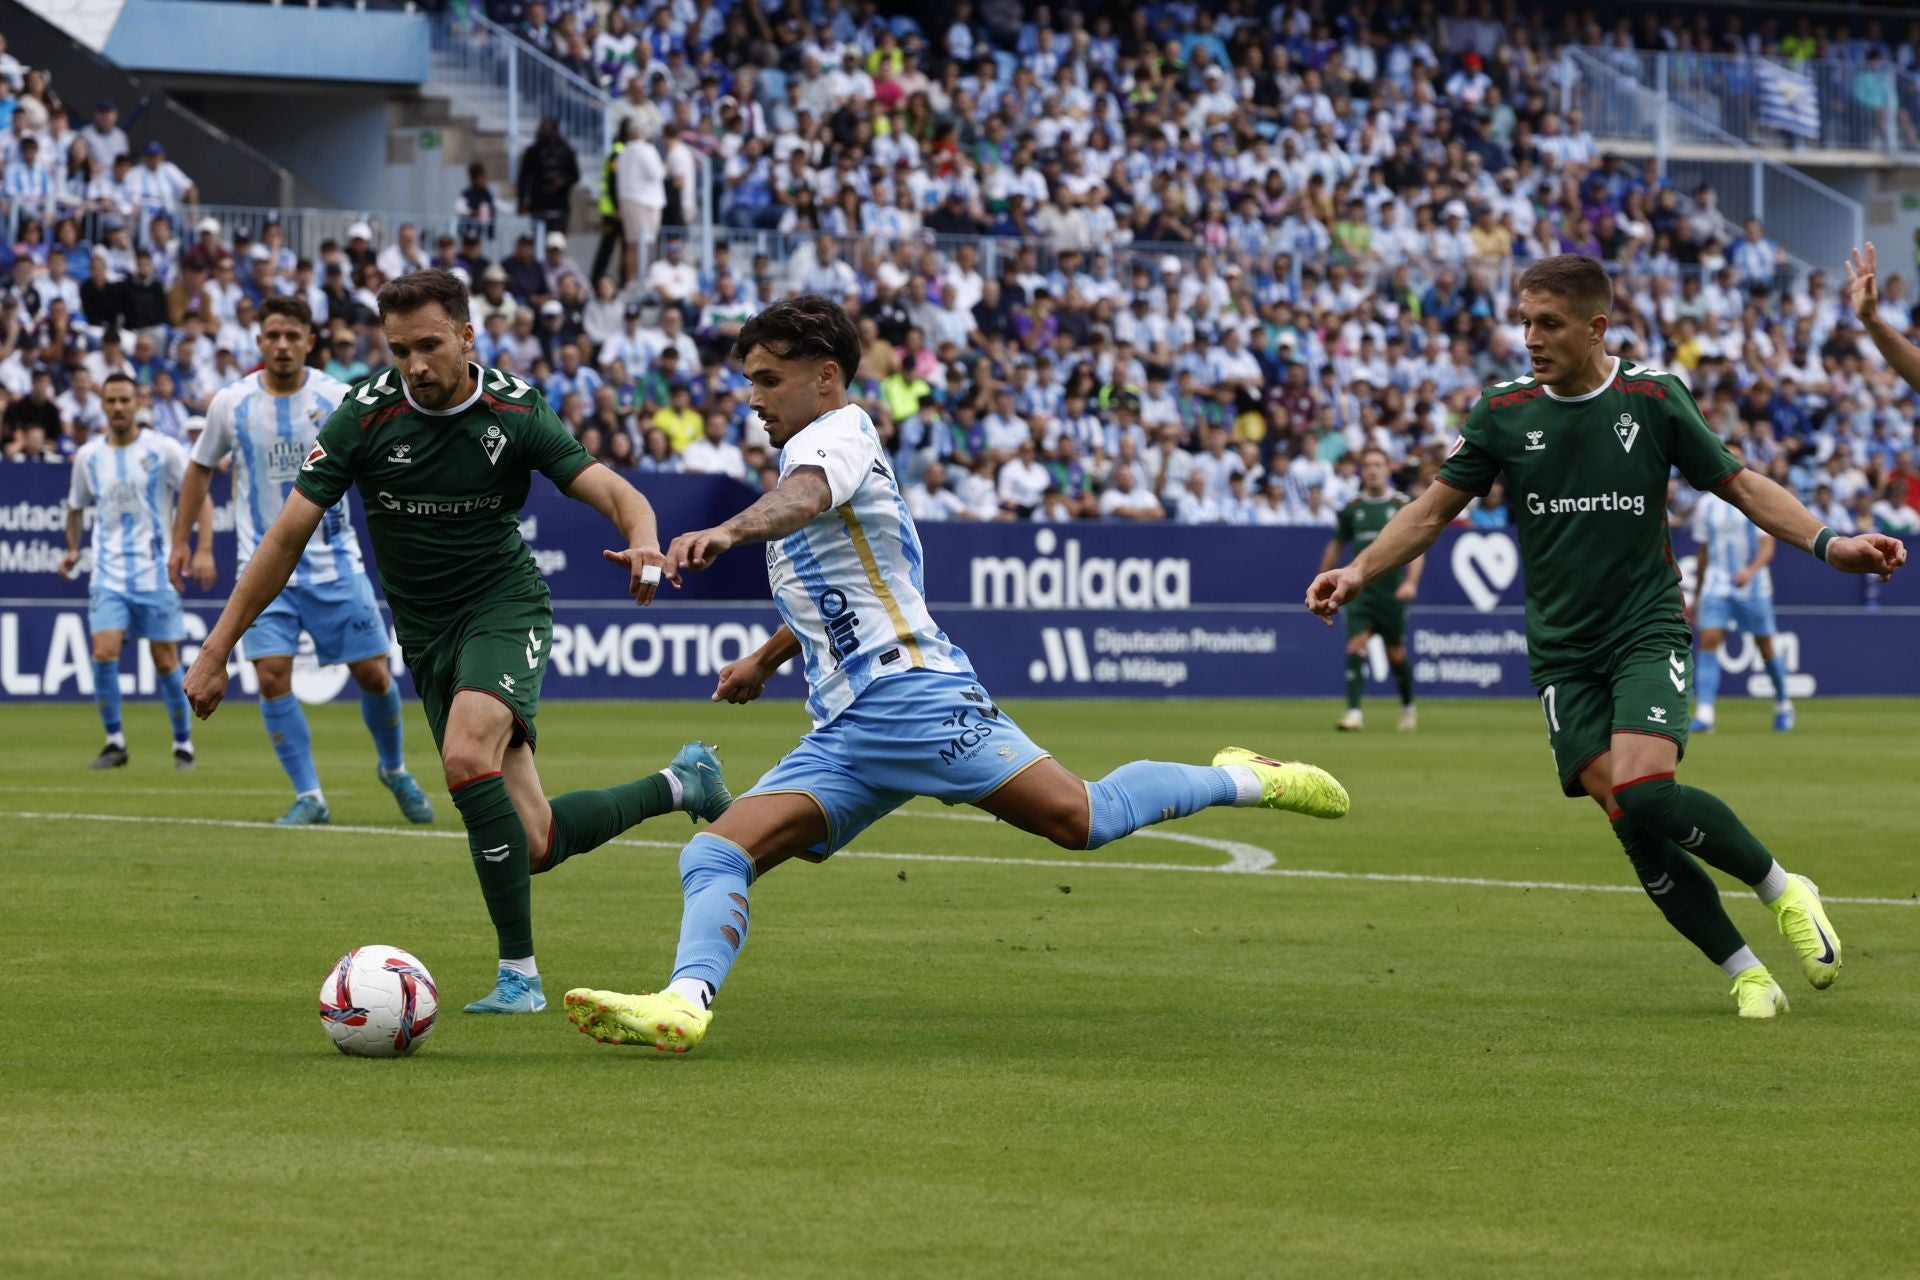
{"x":1485,"y":564}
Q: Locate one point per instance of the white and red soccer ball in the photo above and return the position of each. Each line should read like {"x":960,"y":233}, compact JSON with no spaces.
{"x":378,"y":1002}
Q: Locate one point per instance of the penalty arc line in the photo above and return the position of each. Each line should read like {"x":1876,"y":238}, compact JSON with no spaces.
{"x":1071,"y":864}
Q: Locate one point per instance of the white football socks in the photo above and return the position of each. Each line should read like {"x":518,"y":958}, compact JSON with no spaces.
{"x":524,"y":966}
{"x":673,"y":785}
{"x":1246,"y":782}
{"x":1772,"y":885}
{"x":693,"y":990}
{"x":1740,"y":961}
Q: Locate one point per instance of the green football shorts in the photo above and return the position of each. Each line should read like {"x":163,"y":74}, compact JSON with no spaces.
{"x":1386,"y":618}
{"x":1644,"y":686}
{"x":500,"y":649}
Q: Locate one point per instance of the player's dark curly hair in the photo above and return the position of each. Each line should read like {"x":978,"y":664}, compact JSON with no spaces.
{"x":808,"y":327}
{"x":1579,"y":279}
{"x":291,"y":306}
{"x":406,"y":294}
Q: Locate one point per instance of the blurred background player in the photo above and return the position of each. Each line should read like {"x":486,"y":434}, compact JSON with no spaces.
{"x":897,"y":710}
{"x":451,"y":449}
{"x":268,"y":421}
{"x":1380,"y":610}
{"x":129,"y":478}
{"x":1732,"y":586}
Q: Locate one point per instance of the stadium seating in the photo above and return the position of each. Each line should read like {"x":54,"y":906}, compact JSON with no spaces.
{"x":1222,"y":251}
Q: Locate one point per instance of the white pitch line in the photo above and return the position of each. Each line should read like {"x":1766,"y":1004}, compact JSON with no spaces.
{"x":106,"y":791}
{"x":1064,"y":864}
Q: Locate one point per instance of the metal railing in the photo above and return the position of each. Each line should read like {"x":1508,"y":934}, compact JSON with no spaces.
{"x":1799,"y":213}
{"x":511,"y":86}
{"x":303,"y":230}
{"x":1861,"y":105}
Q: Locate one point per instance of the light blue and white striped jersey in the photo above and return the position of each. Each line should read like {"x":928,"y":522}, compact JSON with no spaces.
{"x":131,"y":492}
{"x":1731,"y":541}
{"x":269,"y":437}
{"x":850,"y":584}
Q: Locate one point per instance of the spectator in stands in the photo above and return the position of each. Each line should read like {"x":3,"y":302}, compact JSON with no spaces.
{"x":159,"y":189}
{"x":404,"y":255}
{"x":640,"y":192}
{"x":1126,"y":499}
{"x":713,"y":453}
{"x":526,"y":277}
{"x":548,"y":171}
{"x":558,"y":264}
{"x":657,"y":453}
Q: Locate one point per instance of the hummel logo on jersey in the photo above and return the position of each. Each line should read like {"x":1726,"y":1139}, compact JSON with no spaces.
{"x":533,"y":649}
{"x":401,"y":453}
{"x":1677,"y":672}
{"x":506,"y":682}
{"x":1536,"y":441}
{"x":492,"y":443}
{"x":314,"y":455}
{"x":1627,"y":430}
{"x":1656,"y":715}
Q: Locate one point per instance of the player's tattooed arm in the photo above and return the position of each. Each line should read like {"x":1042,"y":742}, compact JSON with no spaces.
{"x":792,"y":504}
{"x":797,"y":499}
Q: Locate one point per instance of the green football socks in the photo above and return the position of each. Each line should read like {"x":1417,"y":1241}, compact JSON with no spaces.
{"x":1684,"y":893}
{"x":584,"y":820}
{"x":498,"y":843}
{"x":1356,"y":679}
{"x":1699,"y":822}
{"x":1403,"y":677}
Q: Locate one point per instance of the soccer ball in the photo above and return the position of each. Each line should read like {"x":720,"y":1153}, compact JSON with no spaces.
{"x":378,"y":1002}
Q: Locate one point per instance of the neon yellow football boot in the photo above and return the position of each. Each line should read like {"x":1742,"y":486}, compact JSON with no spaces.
{"x":670,"y":1023}
{"x":1804,"y":922}
{"x":1757,"y":994}
{"x":1290,"y":784}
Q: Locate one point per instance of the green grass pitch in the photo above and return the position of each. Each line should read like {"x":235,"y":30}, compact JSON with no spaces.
{"x":1015,"y":1062}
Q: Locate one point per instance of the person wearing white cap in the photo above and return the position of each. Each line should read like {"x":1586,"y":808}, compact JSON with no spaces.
{"x":559,"y":263}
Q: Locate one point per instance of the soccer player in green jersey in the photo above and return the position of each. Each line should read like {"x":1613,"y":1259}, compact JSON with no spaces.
{"x":1381,"y":609}
{"x":1586,"y":443}
{"x":443,"y":452}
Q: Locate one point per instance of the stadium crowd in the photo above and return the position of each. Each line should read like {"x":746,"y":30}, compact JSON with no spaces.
{"x":1183,"y":263}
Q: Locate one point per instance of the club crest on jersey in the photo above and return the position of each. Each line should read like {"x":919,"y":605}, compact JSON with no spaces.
{"x":493,"y":442}
{"x":401,"y":453}
{"x":1536,"y":441}
{"x":315,"y":455}
{"x":1627,"y":430}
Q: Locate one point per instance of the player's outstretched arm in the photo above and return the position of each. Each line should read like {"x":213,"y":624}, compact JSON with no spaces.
{"x":788,"y":507}
{"x":744,"y":680}
{"x":1780,"y":513}
{"x":267,"y":572}
{"x":628,"y":510}
{"x":1417,"y":527}
{"x":1863,"y":296}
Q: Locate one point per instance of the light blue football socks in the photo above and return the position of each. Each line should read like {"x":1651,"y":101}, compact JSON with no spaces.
{"x":292,"y":742}
{"x":714,"y":875}
{"x":381,"y":712}
{"x":1144,"y":792}
{"x":106,"y":696}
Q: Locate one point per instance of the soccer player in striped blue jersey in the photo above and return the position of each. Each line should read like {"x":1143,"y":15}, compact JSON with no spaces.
{"x":1733,"y":588}
{"x":267,"y":422}
{"x":897,"y":709}
{"x":129,"y":478}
